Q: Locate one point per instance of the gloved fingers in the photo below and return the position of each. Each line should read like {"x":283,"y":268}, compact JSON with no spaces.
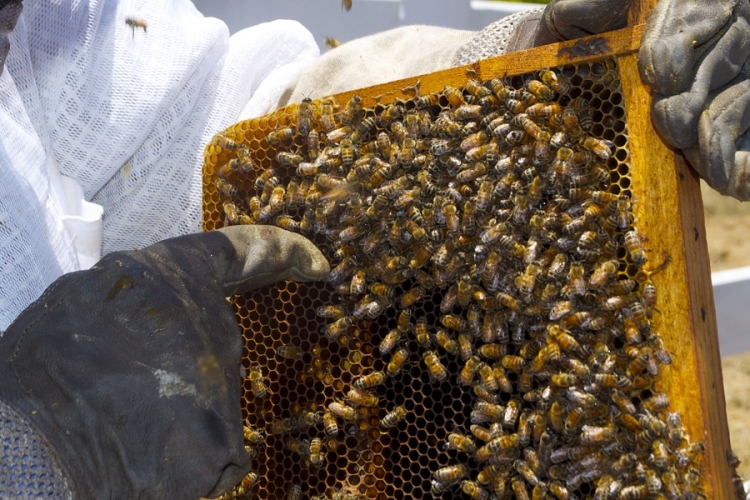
{"x":722,"y":155}
{"x":578,"y":18}
{"x":9,"y":14}
{"x":676,"y":116}
{"x":678,"y":34}
{"x":267,"y":254}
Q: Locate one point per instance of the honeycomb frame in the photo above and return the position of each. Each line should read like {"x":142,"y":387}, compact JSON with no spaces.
{"x":367,"y":467}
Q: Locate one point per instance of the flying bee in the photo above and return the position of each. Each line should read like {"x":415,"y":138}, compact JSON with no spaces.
{"x":346,"y":5}
{"x":393,"y":417}
{"x":136,"y":23}
{"x":436,"y":369}
{"x":257,"y":386}
{"x":398,"y":359}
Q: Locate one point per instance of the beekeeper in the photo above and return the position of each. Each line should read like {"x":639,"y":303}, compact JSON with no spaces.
{"x":124,"y":380}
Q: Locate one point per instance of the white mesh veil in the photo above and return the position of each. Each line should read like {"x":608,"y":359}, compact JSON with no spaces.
{"x":125,"y":113}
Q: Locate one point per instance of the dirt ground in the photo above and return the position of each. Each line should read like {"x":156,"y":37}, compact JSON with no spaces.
{"x":728,"y":236}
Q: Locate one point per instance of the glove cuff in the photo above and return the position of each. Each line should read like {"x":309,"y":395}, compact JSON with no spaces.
{"x":31,"y":467}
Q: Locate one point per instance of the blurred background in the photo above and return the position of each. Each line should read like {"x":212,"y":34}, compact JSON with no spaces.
{"x":727,"y":220}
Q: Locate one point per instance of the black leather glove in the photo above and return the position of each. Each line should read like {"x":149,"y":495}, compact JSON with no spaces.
{"x":131,"y":370}
{"x":694,"y":55}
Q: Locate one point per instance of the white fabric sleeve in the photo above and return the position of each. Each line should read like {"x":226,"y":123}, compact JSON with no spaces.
{"x":124,"y":113}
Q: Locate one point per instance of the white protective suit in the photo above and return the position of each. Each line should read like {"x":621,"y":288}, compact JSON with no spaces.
{"x":103,"y":126}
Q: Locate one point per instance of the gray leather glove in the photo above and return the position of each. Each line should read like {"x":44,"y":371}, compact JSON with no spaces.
{"x":569,"y":19}
{"x":131,"y":370}
{"x":694,"y":55}
{"x":10,"y":11}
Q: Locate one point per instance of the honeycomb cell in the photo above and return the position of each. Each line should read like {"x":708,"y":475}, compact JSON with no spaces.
{"x":421,"y":176}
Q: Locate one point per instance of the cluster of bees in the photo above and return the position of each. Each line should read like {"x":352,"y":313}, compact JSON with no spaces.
{"x":496,"y":203}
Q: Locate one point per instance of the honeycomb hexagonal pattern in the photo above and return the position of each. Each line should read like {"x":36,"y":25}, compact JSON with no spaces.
{"x":488,"y":280}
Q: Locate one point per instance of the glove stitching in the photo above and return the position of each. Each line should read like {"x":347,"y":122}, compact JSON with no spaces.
{"x":47,"y":309}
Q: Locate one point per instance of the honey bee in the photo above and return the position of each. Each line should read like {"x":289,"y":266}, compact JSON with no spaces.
{"x":329,"y":424}
{"x":342,"y":411}
{"x":599,"y":147}
{"x":436,"y":369}
{"x":398,"y":359}
{"x":412,"y":296}
{"x":389,"y":341}
{"x":447,"y":342}
{"x":370,"y":380}
{"x":337,"y":328}
{"x":247,"y":482}
{"x":352,"y":110}
{"x":278,"y":136}
{"x":253,"y":436}
{"x":473,"y":490}
{"x":603,"y":273}
{"x":294,"y":492}
{"x":492,"y":351}
{"x":633,"y":245}
{"x":361,"y":398}
{"x":594,"y":436}
{"x":290,"y":352}
{"x":136,"y":23}
{"x":299,"y":447}
{"x":317,"y":457}
{"x":393,"y":417}
{"x":257,"y":386}
{"x":553,"y":81}
{"x":469,"y":369}
{"x":451,"y":473}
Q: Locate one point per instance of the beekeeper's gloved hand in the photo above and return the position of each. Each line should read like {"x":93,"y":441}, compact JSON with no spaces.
{"x":129,"y":373}
{"x":695,"y":57}
{"x":568,"y":19}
